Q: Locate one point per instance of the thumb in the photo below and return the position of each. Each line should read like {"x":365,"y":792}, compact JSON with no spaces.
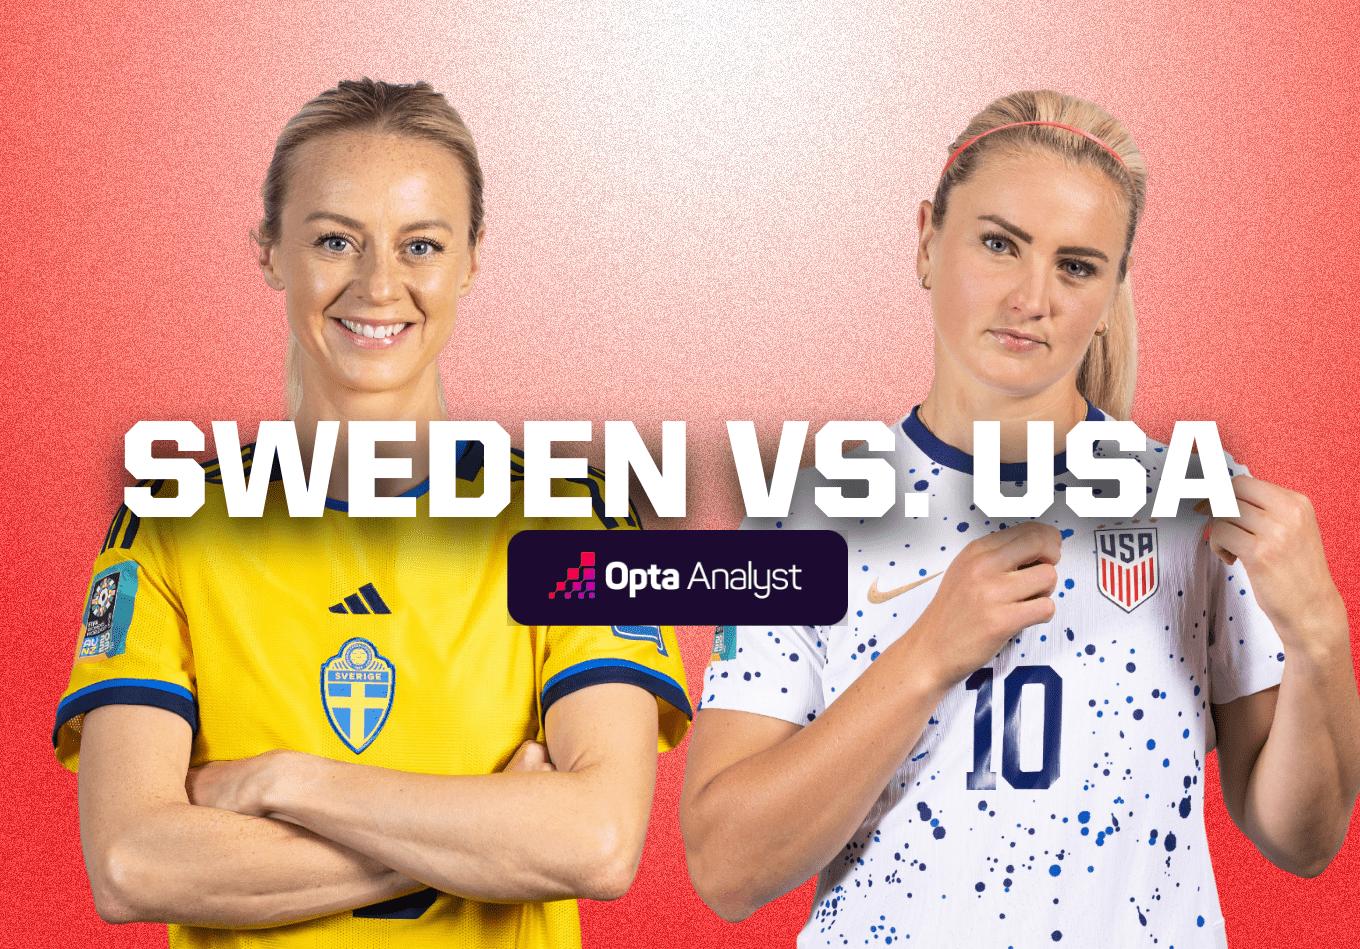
{"x":530,"y":756}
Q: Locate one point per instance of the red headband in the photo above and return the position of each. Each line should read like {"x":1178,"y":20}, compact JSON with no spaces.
{"x":1011,"y":125}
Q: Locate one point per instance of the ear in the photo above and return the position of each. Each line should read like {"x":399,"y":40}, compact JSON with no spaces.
{"x":926,"y":229}
{"x":268,"y":268}
{"x":474,"y":264}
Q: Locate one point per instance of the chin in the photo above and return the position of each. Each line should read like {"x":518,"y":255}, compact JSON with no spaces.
{"x":1016,"y":385}
{"x":373,"y":380}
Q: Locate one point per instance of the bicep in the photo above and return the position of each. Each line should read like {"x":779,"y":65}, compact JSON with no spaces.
{"x":611,"y":727}
{"x":606,"y":733}
{"x":722,"y":738}
{"x":1242,"y":725}
{"x":132,"y":758}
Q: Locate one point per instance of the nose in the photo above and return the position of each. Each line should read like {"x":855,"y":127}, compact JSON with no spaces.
{"x":378,"y":282}
{"x":1029,"y":297}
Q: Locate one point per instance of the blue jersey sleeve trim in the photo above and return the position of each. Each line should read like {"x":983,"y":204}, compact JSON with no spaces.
{"x":597,"y":671}
{"x":946,"y":454}
{"x":153,"y":692}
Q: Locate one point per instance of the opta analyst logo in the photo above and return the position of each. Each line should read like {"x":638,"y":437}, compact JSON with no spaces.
{"x":676,"y":577}
{"x":579,"y":583}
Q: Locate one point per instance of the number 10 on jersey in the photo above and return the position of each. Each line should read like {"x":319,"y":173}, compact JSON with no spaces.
{"x":982,"y":777}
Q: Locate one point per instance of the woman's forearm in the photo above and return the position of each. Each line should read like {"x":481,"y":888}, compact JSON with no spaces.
{"x":153,"y":856}
{"x":765,"y":824}
{"x":200,"y":866}
{"x":1303,"y":785}
{"x":514,"y":836}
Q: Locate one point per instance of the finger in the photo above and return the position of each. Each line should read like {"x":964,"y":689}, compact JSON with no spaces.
{"x":1033,"y":612}
{"x":1030,"y":543}
{"x":1041,"y":579}
{"x":1005,"y":535}
{"x":1262,"y":494}
{"x":1243,"y":505}
{"x":530,"y":756}
{"x":517,"y":759}
{"x":1230,"y":542}
{"x":1250,"y":518}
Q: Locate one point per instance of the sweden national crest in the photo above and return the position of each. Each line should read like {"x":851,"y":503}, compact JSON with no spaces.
{"x":1126,"y":565}
{"x":357,"y":686}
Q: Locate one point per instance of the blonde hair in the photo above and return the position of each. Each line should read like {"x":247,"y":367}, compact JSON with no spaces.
{"x":1108,"y":372}
{"x":410,"y":109}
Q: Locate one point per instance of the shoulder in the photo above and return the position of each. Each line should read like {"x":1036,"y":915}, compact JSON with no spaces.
{"x":1157,"y":461}
{"x":130,"y":534}
{"x":1154,"y":458}
{"x":471,"y":471}
{"x":141,"y":537}
{"x":212,"y":470}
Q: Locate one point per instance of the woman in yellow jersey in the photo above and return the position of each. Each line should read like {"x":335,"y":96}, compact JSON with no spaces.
{"x":326,"y":731}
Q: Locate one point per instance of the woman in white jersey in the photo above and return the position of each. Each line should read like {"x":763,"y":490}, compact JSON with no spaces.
{"x":1003,"y":745}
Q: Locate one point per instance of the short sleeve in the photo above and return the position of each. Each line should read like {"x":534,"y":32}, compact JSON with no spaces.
{"x":773,"y":670}
{"x":648,"y":657}
{"x":1245,"y":652}
{"x":133,"y":646}
{"x":768,"y":670}
{"x":645,"y":656}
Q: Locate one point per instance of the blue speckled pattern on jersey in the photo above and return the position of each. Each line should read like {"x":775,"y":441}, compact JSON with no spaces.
{"x":1055,"y":796}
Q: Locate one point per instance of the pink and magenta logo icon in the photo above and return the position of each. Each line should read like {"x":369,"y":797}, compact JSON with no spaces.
{"x":579,"y":583}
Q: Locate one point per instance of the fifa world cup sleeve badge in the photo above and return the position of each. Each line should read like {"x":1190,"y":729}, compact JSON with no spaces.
{"x":108,"y":612}
{"x":724,"y":643}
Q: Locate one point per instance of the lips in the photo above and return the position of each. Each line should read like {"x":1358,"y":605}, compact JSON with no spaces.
{"x":371,"y":335}
{"x":1016,"y":342}
{"x":373,"y":330}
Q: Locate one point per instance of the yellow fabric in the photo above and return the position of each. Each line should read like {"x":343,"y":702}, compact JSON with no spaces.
{"x":236,"y":614}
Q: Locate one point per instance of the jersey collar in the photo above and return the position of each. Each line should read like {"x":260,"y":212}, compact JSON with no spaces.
{"x":946,"y":454}
{"x":419,"y":490}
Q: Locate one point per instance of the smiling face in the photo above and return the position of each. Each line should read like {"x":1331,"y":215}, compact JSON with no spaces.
{"x":1023,"y":269}
{"x":373,"y":256}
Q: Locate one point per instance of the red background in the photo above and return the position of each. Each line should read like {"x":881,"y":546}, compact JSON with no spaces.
{"x":701,"y":215}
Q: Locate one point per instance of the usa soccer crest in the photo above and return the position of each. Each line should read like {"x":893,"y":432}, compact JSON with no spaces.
{"x":1126,"y":565}
{"x":357,"y":686}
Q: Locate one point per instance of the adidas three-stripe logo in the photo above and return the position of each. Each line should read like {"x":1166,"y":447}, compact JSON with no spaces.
{"x":365,"y":601}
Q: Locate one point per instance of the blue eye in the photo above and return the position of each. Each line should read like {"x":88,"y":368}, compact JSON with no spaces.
{"x":1078,"y":268}
{"x":334,"y":243}
{"x":996,"y":243}
{"x":424,"y":247}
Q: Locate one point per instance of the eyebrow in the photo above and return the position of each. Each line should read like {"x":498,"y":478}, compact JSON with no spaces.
{"x":349,"y":222}
{"x":1025,"y":236}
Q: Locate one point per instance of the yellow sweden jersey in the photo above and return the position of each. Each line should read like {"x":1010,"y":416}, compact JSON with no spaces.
{"x":381,"y":641}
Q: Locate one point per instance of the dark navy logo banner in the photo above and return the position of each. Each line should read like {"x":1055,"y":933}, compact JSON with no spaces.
{"x":678,"y":578}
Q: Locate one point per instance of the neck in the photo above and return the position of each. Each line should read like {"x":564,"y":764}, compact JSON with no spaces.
{"x":418,"y":402}
{"x":949,"y":411}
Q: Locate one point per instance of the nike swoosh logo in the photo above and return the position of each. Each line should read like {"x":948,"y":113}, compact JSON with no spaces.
{"x":876,"y":597}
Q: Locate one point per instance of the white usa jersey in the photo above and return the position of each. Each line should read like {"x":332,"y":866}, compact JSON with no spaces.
{"x":1055,"y":795}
